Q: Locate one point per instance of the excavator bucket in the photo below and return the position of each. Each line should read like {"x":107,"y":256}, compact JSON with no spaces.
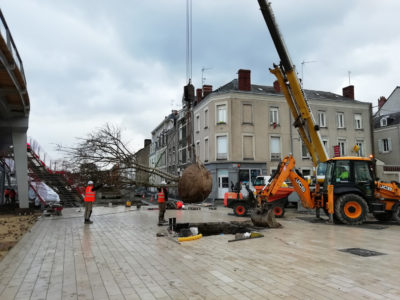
{"x":264,"y":218}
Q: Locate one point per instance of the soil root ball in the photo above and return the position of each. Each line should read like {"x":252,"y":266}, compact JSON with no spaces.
{"x":195,"y":184}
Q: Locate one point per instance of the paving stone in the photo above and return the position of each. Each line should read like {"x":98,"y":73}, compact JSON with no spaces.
{"x":120,"y":257}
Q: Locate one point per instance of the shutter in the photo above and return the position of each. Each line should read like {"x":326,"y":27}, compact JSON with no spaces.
{"x":389,"y":144}
{"x":380,"y":146}
{"x":248,"y":147}
{"x":247,"y":118}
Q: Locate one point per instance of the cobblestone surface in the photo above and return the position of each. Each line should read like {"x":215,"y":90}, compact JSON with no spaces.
{"x":120,"y":257}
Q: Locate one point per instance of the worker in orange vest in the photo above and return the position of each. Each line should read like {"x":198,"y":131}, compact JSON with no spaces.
{"x":162,"y":196}
{"x":90,"y":196}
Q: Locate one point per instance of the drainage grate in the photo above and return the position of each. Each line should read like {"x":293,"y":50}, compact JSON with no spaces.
{"x":362,"y":252}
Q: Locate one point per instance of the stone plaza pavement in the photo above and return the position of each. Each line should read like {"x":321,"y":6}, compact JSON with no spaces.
{"x":120,"y":257}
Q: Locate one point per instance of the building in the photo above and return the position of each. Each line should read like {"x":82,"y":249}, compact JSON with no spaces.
{"x":387,"y":135}
{"x":142,"y":158}
{"x":242,"y":130}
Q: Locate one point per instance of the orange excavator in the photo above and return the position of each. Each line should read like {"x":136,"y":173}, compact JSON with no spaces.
{"x":350,"y":189}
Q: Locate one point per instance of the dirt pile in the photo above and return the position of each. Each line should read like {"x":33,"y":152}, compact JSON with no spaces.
{"x":12,"y":228}
{"x":195,"y":184}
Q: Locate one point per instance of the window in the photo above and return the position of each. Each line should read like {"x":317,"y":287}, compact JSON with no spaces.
{"x":206,"y":118}
{"x":222,"y":147}
{"x":360,"y":145}
{"x":206,"y":149}
{"x":340,"y":120}
{"x":321,"y":119}
{"x":182,"y":155}
{"x":221,"y":113}
{"x":304,"y":151}
{"x":306,"y":171}
{"x":198,"y":149}
{"x":342,"y":147}
{"x":275,"y":148}
{"x":247,"y":113}
{"x":248,"y":147}
{"x":362,"y":172}
{"x":385,"y":145}
{"x":274,"y":115}
{"x":197,"y":123}
{"x":326,"y":145}
{"x":182,"y":133}
{"x":358,"y":121}
{"x":384,"y":121}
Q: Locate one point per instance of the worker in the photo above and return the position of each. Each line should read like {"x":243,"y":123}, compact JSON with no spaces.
{"x":12,"y":194}
{"x":90,"y":196}
{"x":7,"y":196}
{"x":162,"y":197}
{"x":344,"y":174}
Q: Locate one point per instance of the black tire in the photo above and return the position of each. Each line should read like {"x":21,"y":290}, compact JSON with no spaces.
{"x":240,"y":210}
{"x":351,"y":209}
{"x":387,"y":216}
{"x":396,"y":213}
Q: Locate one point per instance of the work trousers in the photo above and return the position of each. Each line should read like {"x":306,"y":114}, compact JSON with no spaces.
{"x":161,"y":207}
{"x":88,"y":209}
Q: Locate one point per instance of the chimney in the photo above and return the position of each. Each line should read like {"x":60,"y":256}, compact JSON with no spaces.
{"x":244,"y":80}
{"x":382,"y":100}
{"x":199,"y":95}
{"x":207,"y":89}
{"x":277,"y":87}
{"x":348,"y":92}
{"x":147,"y":142}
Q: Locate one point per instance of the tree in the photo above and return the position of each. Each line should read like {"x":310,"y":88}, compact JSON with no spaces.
{"x":105,"y":151}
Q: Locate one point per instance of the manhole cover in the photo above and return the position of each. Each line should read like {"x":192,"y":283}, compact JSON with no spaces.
{"x":362,"y":252}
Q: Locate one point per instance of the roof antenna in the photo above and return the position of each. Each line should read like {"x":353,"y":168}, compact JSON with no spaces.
{"x":349,"y":72}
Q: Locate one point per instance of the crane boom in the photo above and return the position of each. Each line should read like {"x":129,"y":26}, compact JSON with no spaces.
{"x":291,"y":88}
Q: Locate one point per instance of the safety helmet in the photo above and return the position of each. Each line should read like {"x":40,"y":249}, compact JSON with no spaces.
{"x":90,"y":182}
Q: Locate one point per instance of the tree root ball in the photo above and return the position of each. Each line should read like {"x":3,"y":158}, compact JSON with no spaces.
{"x":195,"y":184}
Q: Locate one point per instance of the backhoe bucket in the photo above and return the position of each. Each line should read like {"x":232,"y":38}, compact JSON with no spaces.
{"x":264,"y":218}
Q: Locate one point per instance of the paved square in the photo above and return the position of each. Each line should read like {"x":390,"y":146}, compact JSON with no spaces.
{"x":120,"y":257}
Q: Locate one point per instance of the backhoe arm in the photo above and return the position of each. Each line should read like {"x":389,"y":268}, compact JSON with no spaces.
{"x":286,"y":170}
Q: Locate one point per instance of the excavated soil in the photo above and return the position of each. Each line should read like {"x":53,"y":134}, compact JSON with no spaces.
{"x":12,"y":228}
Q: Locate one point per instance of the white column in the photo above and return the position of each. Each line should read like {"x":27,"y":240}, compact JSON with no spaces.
{"x":21,"y":166}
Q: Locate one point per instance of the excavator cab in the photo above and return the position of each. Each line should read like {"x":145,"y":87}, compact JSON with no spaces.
{"x":353,"y":182}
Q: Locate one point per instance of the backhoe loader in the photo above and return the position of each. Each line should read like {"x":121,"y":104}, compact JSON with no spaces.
{"x":350,"y":189}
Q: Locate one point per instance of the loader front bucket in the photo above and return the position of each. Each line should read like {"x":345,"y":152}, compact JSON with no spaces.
{"x":262,"y":217}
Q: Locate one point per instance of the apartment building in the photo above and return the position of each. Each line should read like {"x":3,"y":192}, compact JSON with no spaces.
{"x":242,"y":130}
{"x":387,"y":135}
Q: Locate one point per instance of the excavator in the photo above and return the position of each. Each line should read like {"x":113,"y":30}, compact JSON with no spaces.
{"x":350,"y":188}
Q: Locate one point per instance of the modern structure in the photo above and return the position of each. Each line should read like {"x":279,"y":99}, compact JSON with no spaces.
{"x":14,"y":112}
{"x":242,"y":130}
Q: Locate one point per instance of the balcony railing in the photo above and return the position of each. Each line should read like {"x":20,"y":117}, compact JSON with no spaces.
{"x":7,"y":37}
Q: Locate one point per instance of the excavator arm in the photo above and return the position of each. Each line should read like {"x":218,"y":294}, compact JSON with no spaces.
{"x":286,"y":170}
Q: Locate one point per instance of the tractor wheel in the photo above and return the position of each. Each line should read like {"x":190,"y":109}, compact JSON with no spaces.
{"x":240,"y":210}
{"x":396,"y":213}
{"x":279,"y":211}
{"x":351,"y":209}
{"x":387,"y":216}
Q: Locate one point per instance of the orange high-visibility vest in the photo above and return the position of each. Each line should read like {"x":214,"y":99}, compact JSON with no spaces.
{"x":161,"y":196}
{"x":90,"y":195}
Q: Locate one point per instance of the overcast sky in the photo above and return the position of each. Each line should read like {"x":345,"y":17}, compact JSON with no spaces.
{"x":88,"y":62}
